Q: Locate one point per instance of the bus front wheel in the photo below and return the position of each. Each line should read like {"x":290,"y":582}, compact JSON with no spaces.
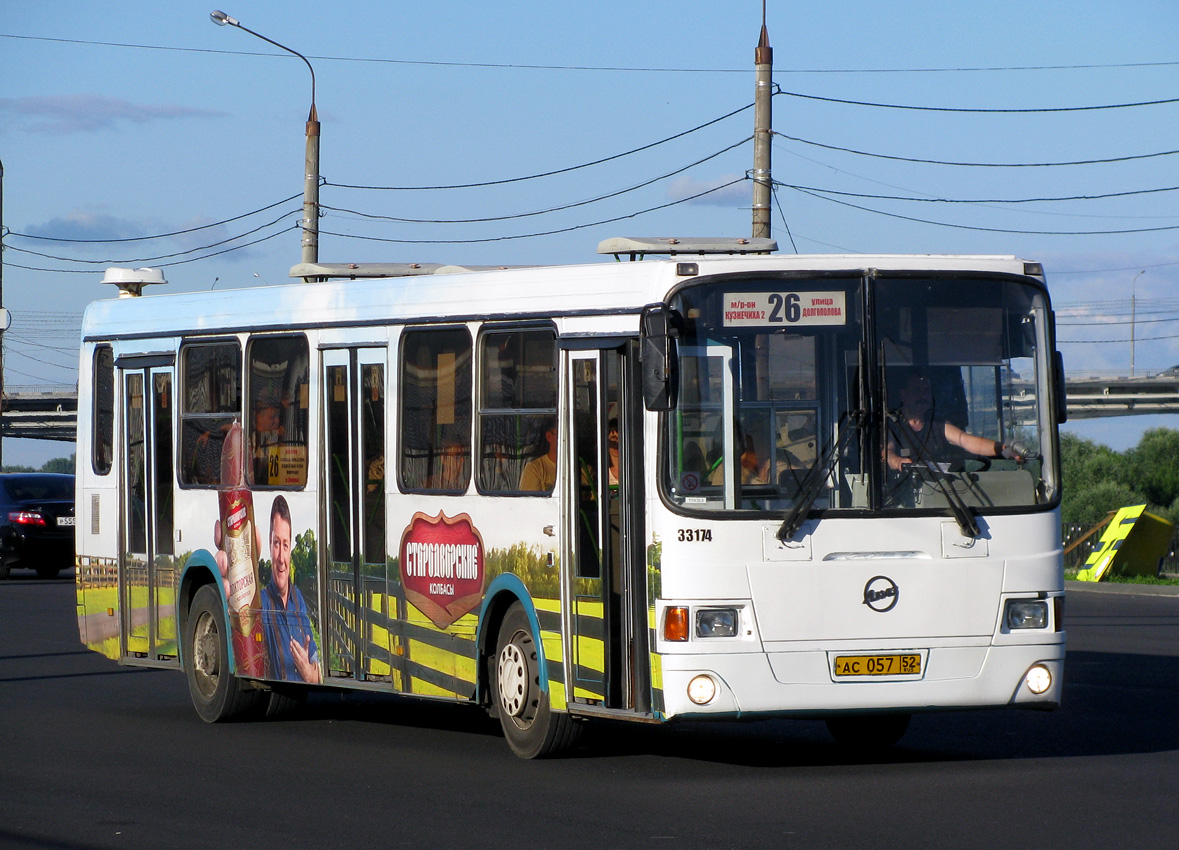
{"x":531,"y":728}
{"x":216,"y":693}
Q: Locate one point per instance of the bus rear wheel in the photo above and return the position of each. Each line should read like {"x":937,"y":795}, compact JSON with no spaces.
{"x":868,"y":731}
{"x":530,"y":726}
{"x":216,"y":693}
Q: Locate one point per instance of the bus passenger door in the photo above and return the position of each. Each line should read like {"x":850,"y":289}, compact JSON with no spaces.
{"x":353,"y":524}
{"x":148,"y":574}
{"x":607,"y":578}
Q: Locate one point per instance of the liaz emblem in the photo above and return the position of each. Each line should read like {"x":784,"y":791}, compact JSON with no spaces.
{"x":442,"y":566}
{"x":881,"y":593}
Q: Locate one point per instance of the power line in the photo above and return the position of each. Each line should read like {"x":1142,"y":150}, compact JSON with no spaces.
{"x":1133,"y":268}
{"x":982,"y":110}
{"x":978,"y":164}
{"x":821,"y":196}
{"x":1134,"y":321}
{"x":548,"y":173}
{"x":541,"y":233}
{"x":933,"y":200}
{"x":156,"y":236}
{"x":159,"y":265}
{"x":1108,"y":341}
{"x":609,"y":68}
{"x":40,"y":379}
{"x":561,"y":208}
{"x":109,"y":261}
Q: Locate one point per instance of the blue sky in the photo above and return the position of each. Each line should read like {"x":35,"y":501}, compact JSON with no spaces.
{"x":122,"y":120}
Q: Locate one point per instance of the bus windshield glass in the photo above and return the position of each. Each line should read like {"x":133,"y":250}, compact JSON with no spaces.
{"x":888,"y":393}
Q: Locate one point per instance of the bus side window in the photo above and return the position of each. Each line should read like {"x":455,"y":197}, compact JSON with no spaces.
{"x":436,"y":378}
{"x":517,"y":411}
{"x":276,"y":422}
{"x":104,"y":409}
{"x":211,"y":399}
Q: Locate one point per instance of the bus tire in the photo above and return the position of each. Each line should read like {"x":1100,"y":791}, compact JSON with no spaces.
{"x":868,"y":732}
{"x":282,"y":701}
{"x":216,"y":693}
{"x":530,"y":726}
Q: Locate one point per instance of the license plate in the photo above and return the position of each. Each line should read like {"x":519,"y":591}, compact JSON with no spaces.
{"x":65,"y":520}
{"x":901,"y":664}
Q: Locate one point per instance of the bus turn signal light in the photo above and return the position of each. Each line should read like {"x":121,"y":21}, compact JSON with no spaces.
{"x":675,"y":624}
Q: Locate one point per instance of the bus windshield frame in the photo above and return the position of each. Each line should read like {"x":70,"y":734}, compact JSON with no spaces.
{"x":866,"y":392}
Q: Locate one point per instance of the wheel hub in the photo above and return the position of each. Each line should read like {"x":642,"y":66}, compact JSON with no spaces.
{"x":206,"y":660}
{"x":513,"y":679}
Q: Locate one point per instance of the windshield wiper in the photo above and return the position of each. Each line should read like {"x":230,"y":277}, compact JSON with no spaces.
{"x":966,"y":521}
{"x":812,"y":484}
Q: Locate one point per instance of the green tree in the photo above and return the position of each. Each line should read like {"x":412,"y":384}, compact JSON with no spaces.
{"x":60,"y":464}
{"x":1095,"y":481}
{"x":1153,"y":466}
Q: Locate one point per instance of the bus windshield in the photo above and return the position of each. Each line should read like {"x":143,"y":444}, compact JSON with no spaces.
{"x":885,"y":392}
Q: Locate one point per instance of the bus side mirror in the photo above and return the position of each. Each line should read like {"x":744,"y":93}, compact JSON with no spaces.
{"x":660,"y":365}
{"x":1061,"y":389}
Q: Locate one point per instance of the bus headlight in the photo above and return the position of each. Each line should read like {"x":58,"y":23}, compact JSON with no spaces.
{"x":1038,"y":679}
{"x":1026,"y":614}
{"x":701,"y":689}
{"x":716,"y":622}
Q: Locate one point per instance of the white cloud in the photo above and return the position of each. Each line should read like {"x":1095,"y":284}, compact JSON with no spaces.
{"x":85,"y":113}
{"x":738,"y":193}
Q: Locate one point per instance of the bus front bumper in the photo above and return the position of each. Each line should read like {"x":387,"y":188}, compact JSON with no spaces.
{"x":804,"y":683}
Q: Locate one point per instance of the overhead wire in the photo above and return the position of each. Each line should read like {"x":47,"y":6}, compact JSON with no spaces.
{"x":540,"y":233}
{"x":816,"y":194}
{"x":610,"y":68}
{"x":185,"y":232}
{"x":936,"y":200}
{"x":979,"y":110}
{"x":560,"y":208}
{"x":554,"y":172}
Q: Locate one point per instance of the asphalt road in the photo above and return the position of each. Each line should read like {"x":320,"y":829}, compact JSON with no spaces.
{"x":93,"y":755}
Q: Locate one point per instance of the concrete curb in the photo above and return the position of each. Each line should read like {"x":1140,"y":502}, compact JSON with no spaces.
{"x":1122,"y":588}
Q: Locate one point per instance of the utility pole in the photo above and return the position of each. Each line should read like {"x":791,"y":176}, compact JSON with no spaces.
{"x":1133,"y":315}
{"x":763,"y":59}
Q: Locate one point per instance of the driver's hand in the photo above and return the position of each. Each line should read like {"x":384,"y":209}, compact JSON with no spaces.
{"x":1014,"y":452}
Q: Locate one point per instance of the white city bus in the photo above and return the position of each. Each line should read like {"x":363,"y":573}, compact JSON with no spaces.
{"x":684,"y":487}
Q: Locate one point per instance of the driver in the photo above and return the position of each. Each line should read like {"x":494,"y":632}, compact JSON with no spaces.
{"x":934,"y":436}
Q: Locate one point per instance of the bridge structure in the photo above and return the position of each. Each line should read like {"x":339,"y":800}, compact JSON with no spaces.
{"x":52,"y":413}
{"x":49,"y":413}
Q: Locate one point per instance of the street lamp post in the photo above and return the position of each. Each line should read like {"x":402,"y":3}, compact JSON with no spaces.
{"x":311,"y":171}
{"x":1133,"y":316}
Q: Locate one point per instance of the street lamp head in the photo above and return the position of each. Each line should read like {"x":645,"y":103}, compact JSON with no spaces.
{"x":311,"y":172}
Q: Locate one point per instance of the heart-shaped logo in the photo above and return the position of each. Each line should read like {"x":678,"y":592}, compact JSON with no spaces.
{"x":442,"y":566}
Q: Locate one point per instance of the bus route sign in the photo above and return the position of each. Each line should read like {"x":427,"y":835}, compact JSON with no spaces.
{"x":784,"y":309}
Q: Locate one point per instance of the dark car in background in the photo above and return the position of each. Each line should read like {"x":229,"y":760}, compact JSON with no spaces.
{"x":36,"y":522}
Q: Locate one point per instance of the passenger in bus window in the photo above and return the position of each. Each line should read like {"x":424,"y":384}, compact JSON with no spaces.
{"x":933,"y":437}
{"x":290,"y":646}
{"x":540,"y":474}
{"x":450,"y":467}
{"x":612,"y":449}
{"x":266,"y":436}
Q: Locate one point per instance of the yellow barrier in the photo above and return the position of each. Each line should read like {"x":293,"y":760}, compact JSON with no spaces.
{"x":1133,"y":544}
